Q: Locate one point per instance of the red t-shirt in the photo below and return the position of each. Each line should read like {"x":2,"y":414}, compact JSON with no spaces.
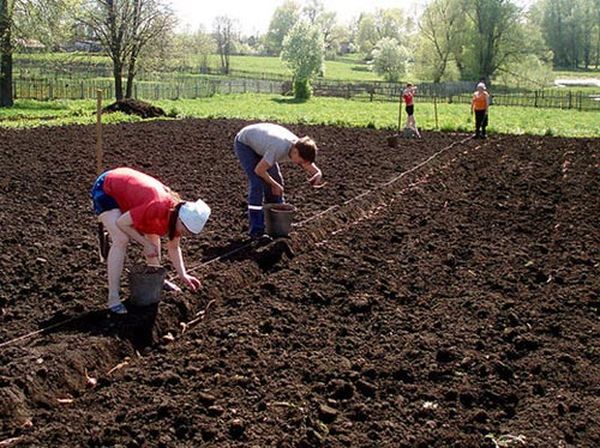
{"x":408,"y":98}
{"x":145,"y":198}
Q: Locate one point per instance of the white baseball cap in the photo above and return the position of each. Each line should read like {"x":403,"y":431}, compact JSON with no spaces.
{"x":194,"y":215}
{"x":481,"y":86}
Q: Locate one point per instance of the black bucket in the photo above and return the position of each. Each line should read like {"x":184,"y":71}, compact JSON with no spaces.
{"x":146,"y":284}
{"x":278,"y":219}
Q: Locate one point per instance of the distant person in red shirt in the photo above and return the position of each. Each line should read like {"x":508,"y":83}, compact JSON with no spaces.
{"x":409,"y":100}
{"x":133,"y":205}
{"x":480,"y":104}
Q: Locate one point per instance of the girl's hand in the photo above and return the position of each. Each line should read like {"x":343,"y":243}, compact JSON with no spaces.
{"x":150,"y":250}
{"x":192,"y":282}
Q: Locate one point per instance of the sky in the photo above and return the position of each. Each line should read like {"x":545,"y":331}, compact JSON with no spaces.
{"x":254,"y":16}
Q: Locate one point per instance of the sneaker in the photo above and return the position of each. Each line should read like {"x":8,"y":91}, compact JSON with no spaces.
{"x":260,"y":238}
{"x":118,"y":308}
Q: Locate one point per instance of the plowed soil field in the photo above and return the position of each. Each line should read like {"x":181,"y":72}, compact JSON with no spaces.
{"x":444,"y":293}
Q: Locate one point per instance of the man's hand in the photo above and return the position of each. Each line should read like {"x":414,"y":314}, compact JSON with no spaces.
{"x":277,"y":190}
{"x":317,"y":180}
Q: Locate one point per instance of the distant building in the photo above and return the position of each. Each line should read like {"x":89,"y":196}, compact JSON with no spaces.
{"x":30,"y":45}
{"x":88,"y":46}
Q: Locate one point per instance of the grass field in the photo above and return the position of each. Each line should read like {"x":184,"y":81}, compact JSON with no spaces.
{"x":333,"y":111}
{"x":348,"y":68}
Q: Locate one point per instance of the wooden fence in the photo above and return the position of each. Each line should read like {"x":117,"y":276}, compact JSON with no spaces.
{"x":189,"y":88}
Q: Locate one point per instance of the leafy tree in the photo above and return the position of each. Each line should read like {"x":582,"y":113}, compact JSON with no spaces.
{"x":570,"y":28}
{"x":50,"y":22}
{"x":366,"y":33}
{"x":372,"y":28}
{"x":389,"y":59}
{"x":283,"y":20}
{"x":497,"y":37}
{"x":531,"y":72}
{"x":315,"y":14}
{"x":46,"y":20}
{"x":441,"y":35}
{"x":187,"y":46}
{"x":225,"y":33}
{"x":313,"y":10}
{"x":303,"y":52}
{"x":125,"y":28}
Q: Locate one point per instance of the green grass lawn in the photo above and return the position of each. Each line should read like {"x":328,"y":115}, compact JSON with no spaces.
{"x":332,"y":111}
{"x":348,"y":68}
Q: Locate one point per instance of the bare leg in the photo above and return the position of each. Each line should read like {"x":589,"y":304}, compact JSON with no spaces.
{"x":116,"y":254}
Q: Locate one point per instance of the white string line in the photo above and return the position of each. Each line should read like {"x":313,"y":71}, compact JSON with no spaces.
{"x":379,"y":187}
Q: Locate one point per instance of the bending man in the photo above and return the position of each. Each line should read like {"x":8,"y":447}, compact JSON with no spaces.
{"x":260,"y":147}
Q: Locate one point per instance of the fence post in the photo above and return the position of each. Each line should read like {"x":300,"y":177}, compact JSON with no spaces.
{"x":99,"y":154}
{"x":399,"y":112}
{"x":435,"y":111}
{"x":570,"y":99}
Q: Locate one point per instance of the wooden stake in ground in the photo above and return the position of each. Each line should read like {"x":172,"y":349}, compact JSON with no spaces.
{"x":400,"y":112}
{"x":103,"y":246}
{"x":99,"y":133}
{"x":435,"y":111}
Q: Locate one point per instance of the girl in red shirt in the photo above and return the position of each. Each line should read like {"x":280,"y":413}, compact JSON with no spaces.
{"x":409,"y":99}
{"x":133,"y":205}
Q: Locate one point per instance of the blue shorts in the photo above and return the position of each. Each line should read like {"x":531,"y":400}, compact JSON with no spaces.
{"x":102,"y":201}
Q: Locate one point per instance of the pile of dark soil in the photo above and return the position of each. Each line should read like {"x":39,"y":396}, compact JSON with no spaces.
{"x":132,"y":106}
{"x":456,"y":307}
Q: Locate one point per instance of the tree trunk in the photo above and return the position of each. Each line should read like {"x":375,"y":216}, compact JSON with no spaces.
{"x":118,"y":75}
{"x":130,"y":77}
{"x":6,"y":78}
{"x":6,"y":97}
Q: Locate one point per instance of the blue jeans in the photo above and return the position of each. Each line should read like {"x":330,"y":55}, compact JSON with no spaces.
{"x":258,"y":190}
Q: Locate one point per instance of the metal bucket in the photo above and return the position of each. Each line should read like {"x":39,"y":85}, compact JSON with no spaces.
{"x":146,"y":284}
{"x":278,"y":219}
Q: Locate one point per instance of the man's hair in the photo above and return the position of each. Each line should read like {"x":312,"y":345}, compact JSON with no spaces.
{"x":307,"y":149}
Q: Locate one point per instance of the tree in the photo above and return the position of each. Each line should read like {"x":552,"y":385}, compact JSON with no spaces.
{"x":283,"y":20}
{"x":303,"y":52}
{"x":225,"y":33}
{"x":315,"y":14}
{"x":188,"y":45}
{"x":46,"y":20}
{"x":497,"y":37}
{"x":389,"y":59}
{"x":6,"y":50}
{"x":441,"y":34}
{"x":374,"y":27}
{"x":313,"y":10}
{"x":50,"y":22}
{"x":570,"y":28}
{"x":125,"y":28}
